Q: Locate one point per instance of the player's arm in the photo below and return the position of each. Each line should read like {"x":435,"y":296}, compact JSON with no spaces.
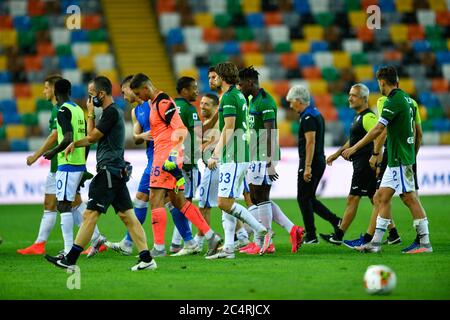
{"x":369,"y":137}
{"x":47,"y":145}
{"x":209,"y":123}
{"x":418,"y":137}
{"x":269,"y":126}
{"x":338,"y":153}
{"x":310,"y":138}
{"x":64,"y":120}
{"x":137,"y":129}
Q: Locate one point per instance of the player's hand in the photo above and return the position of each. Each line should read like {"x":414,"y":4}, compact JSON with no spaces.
{"x":212,"y":163}
{"x":69,"y":150}
{"x":273,"y":175}
{"x":49,"y":154}
{"x":347,"y":153}
{"x":146,"y":136}
{"x":90,"y":105}
{"x":373,"y":162}
{"x":307,"y":175}
{"x":331,"y":158}
{"x":31,"y":159}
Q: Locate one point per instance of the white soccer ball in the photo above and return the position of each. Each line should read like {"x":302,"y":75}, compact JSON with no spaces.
{"x":379,"y":279}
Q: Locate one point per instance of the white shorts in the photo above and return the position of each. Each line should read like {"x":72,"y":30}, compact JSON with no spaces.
{"x":50,"y":183}
{"x":257,"y":173}
{"x":231,"y":179}
{"x":192,"y":181}
{"x":209,"y":188}
{"x":67,"y":184}
{"x":401,"y":179}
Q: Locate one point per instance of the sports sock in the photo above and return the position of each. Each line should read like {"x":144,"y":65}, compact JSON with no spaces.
{"x":380,"y":229}
{"x":200,"y":240}
{"x":67,"y":230}
{"x":229,"y":228}
{"x":280,"y":218}
{"x":194,"y":215}
{"x":145,"y":256}
{"x":140,"y":209}
{"x":265,"y":214}
{"x":78,"y":213}
{"x":183,"y":229}
{"x":393,"y":233}
{"x":159,"y":221}
{"x":367,"y":238}
{"x":74,"y":254}
{"x":339,"y":234}
{"x":241,"y":213}
{"x":242,"y":234}
{"x":47,"y":223}
{"x":421,"y":226}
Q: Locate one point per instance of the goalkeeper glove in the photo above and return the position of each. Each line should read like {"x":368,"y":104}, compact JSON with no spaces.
{"x":170,"y":166}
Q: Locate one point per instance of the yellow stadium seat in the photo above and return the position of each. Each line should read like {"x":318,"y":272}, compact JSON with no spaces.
{"x":26,"y":105}
{"x":318,"y":86}
{"x":300,"y":46}
{"x":407,"y":85}
{"x":284,"y":127}
{"x":405,"y":5}
{"x":37,"y":90}
{"x":99,"y":48}
{"x":193,"y":73}
{"x":255,"y":59}
{"x":204,"y":20}
{"x":3,"y":63}
{"x":448,"y":44}
{"x":341,"y":59}
{"x":16,"y":131}
{"x":445,"y":138}
{"x":438,"y":5}
{"x":111,"y":75}
{"x":313,"y":32}
{"x":357,"y":18}
{"x":363,"y":72}
{"x":251,"y":6}
{"x":373,"y":98}
{"x":423,"y":113}
{"x":85,"y":63}
{"x":399,"y":32}
{"x":8,"y":38}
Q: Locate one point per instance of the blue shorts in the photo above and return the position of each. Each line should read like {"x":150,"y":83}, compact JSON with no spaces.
{"x":144,"y":185}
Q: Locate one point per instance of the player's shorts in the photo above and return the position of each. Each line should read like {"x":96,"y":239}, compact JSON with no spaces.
{"x":258,"y":174}
{"x":415,"y":176}
{"x":246,"y":187}
{"x":231,"y":179}
{"x":160,"y":178}
{"x":50,"y":183}
{"x":364,"y":180}
{"x":400,"y":179}
{"x":209,"y":188}
{"x":103,"y":193}
{"x":144,"y":184}
{"x":67,"y":184}
{"x":192,"y":181}
{"x":383,"y":166}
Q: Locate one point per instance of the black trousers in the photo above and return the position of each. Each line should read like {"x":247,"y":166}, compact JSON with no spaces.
{"x":307,"y":201}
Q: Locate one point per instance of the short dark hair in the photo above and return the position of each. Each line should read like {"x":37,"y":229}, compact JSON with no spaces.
{"x":63,"y":87}
{"x":126,"y":80}
{"x":183,"y":83}
{"x":213,"y":97}
{"x":212,"y":69}
{"x":388,"y":74}
{"x":228,"y":72}
{"x":138,"y":80}
{"x":249,"y":73}
{"x":102,"y":83}
{"x":51,"y":79}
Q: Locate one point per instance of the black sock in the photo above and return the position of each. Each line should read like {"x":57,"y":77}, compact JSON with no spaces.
{"x":368,"y":238}
{"x":145,"y":256}
{"x":393,"y":233}
{"x":417,"y":240}
{"x":339,"y":234}
{"x":74,"y":254}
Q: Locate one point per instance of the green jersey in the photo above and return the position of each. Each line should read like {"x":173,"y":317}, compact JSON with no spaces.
{"x":52,"y":126}
{"x":262,"y":109}
{"x":190,"y":118}
{"x":398,"y":116}
{"x":382,"y":100}
{"x":78,"y":124}
{"x":233,"y":104}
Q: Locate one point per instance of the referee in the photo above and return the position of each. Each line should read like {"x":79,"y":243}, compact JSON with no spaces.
{"x":364,"y":178}
{"x":109,"y":185}
{"x":311,"y":162}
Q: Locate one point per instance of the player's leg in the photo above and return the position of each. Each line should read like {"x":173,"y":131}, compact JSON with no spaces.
{"x":159,"y":220}
{"x":208,"y":198}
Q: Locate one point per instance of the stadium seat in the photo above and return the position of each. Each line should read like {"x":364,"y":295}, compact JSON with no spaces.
{"x":73,"y":75}
{"x":318,"y":86}
{"x":8,"y":38}
{"x":79,"y":91}
{"x":273,"y":18}
{"x":165,"y":6}
{"x":234,"y":7}
{"x":29,"y":119}
{"x":323,"y":59}
{"x":3,"y":64}
{"x":445,"y":71}
{"x":365,"y":35}
{"x":175,"y":36}
{"x":39,"y":23}
{"x":443,"y":18}
{"x":251,"y":6}
{"x":407,"y":85}
{"x":428,"y":99}
{"x":99,"y":35}
{"x":415,"y":32}
{"x":15,"y":131}
{"x":341,"y":59}
{"x":204,"y":20}
{"x":443,"y":57}
{"x":18,"y":144}
{"x":60,"y":36}
{"x":330,"y":74}
{"x":18,"y":8}
{"x":433,"y":32}
{"x":211,"y":34}
{"x":399,"y":33}
{"x":283,"y":47}
{"x":439,"y":85}
{"x":352,"y":45}
{"x":313,"y":32}
{"x":32,"y":63}
{"x":99,"y":48}
{"x":311,"y":73}
{"x":421,"y":46}
{"x":426,"y":17}
{"x":300,"y":46}
{"x":22,"y":90}
{"x":281,"y":87}
{"x":289,"y":60}
{"x":291,"y":19}
{"x":363,"y":73}
{"x":22,"y":23}
{"x":222,"y":20}
{"x":357,"y":18}
{"x":6,"y":22}
{"x":231,"y":48}
{"x":278,"y":34}
{"x":302,"y":7}
{"x":45,"y":49}
{"x":319,"y":46}
{"x":169,"y":20}
{"x":244,"y":34}
{"x":36,"y":7}
{"x":438,"y":5}
{"x":255,"y":59}
{"x":404,"y":6}
{"x":249,"y":46}
{"x":104,"y":62}
{"x":359,"y":58}
{"x":91,"y":22}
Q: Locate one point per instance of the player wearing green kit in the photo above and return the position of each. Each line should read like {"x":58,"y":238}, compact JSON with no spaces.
{"x":398,"y":116}
{"x":233,"y":152}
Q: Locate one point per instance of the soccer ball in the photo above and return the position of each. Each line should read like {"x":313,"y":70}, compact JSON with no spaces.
{"x":379,"y":279}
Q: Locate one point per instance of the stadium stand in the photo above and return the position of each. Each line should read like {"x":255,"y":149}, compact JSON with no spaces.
{"x":323,"y":44}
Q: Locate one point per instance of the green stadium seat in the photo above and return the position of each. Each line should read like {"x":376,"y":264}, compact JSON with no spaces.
{"x":438,"y":45}
{"x":324,"y":19}
{"x":216,"y":58}
{"x":244,"y":34}
{"x":26,"y":38}
{"x":30,"y":119}
{"x":352,"y":5}
{"x":234,"y":7}
{"x":97,"y":35}
{"x":222,"y":20}
{"x":433,"y":32}
{"x":39,"y":23}
{"x":283,"y":47}
{"x":340,"y":100}
{"x":2,"y":132}
{"x":64,"y":50}
{"x":330,"y":74}
{"x":43,"y":105}
{"x":359,"y":58}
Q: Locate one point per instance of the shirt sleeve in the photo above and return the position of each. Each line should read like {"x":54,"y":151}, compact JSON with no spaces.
{"x":309,"y":124}
{"x":65,"y":120}
{"x":418,"y":118}
{"x":389,"y":112}
{"x":268,"y":110}
{"x":369,"y":121}
{"x":229,"y":106}
{"x":52,"y":120}
{"x":108,"y":120}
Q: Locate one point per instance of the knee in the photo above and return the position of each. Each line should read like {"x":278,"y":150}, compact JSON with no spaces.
{"x":64,"y":206}
{"x":90,"y":217}
{"x":225,"y":204}
{"x":352,"y":200}
{"x":50,"y":203}
{"x":125,"y":217}
{"x":142,"y":196}
{"x":408,"y":198}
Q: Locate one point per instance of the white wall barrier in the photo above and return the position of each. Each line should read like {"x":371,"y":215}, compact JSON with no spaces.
{"x":22,"y":184}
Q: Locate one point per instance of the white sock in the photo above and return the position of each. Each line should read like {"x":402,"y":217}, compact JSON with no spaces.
{"x":229,"y":228}
{"x":47,"y":223}
{"x":254,"y":212}
{"x":200,"y":240}
{"x":421,"y":226}
{"x":159,"y":247}
{"x":242,"y":214}
{"x":280,"y":218}
{"x":67,"y":230}
{"x":242,"y":234}
{"x":265,"y":214}
{"x":176,"y":236}
{"x":380,"y":229}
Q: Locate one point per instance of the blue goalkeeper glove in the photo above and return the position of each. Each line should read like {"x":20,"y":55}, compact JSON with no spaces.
{"x":170,"y":166}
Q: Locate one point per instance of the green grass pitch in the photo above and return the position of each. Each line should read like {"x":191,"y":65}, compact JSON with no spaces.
{"x":318,"y":271}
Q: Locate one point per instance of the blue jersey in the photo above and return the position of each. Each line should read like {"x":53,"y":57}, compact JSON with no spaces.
{"x":142,"y":113}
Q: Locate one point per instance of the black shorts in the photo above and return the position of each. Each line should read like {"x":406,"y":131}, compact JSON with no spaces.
{"x":101,"y":196}
{"x":364,"y":180}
